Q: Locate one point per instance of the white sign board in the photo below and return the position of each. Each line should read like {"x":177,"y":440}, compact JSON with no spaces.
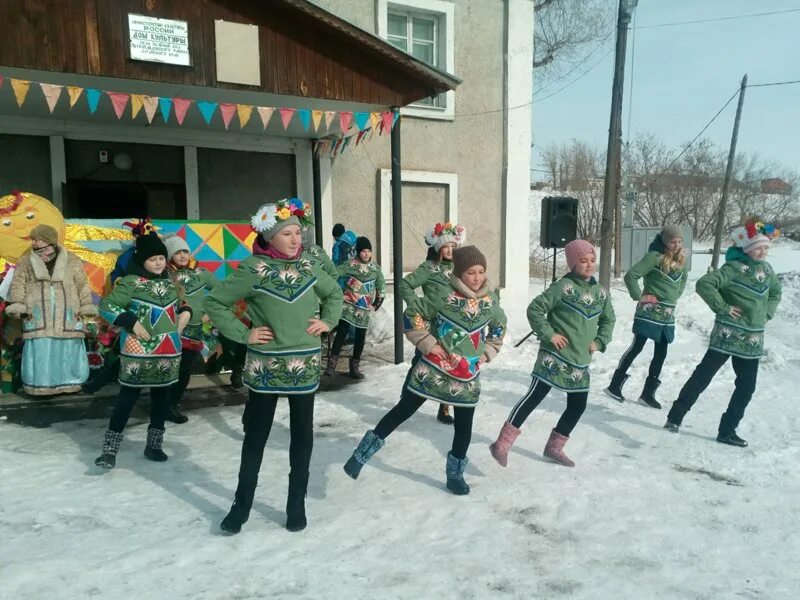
{"x":159,"y":40}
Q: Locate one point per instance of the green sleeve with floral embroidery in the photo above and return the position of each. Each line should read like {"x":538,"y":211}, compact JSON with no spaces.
{"x":412,"y":281}
{"x":496,"y":331}
{"x":380,"y":284}
{"x":117,"y":302}
{"x":774,"y":297}
{"x":218,"y":305}
{"x":331,"y":297}
{"x":638,"y":271}
{"x":605,"y":325}
{"x":538,"y":309}
{"x":709,"y":285}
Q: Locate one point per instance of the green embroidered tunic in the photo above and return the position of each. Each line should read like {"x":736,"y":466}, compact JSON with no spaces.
{"x":432,"y":276}
{"x":656,"y":320}
{"x":363,"y":284}
{"x":470,"y":326}
{"x":155,"y":303}
{"x":195,"y":284}
{"x":283,"y":295}
{"x":579,"y":310}
{"x":753,"y":287}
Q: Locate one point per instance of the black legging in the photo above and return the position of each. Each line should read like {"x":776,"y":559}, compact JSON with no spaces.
{"x":159,"y":401}
{"x":359,"y":337}
{"x":410,"y":403}
{"x":188,"y":357}
{"x":576,"y":404}
{"x":746,"y":375}
{"x":659,"y":355}
{"x":259,"y":413}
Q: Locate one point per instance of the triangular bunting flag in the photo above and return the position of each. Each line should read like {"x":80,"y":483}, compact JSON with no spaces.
{"x":346,"y":143}
{"x":316,"y":118}
{"x":119,"y":101}
{"x":181,"y":107}
{"x":244,"y":111}
{"x":20,"y":87}
{"x":52,"y":93}
{"x":362,"y":118}
{"x":93,"y":98}
{"x":305,"y":118}
{"x":374,"y":119}
{"x":150,"y":105}
{"x":345,"y":120}
{"x":360,"y":137}
{"x":165,"y":104}
{"x":265,"y":113}
{"x":388,"y":121}
{"x":227,"y":110}
{"x":286,"y":116}
{"x":74,"y":93}
{"x":329,"y":116}
{"x":207,"y":109}
{"x":136,"y":104}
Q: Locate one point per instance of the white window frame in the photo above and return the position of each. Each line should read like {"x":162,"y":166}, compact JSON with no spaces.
{"x":444,"y":13}
{"x":450,"y":180}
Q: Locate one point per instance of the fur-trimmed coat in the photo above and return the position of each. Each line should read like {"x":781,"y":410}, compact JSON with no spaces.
{"x":50,"y":306}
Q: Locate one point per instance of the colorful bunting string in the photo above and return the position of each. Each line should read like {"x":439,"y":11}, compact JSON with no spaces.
{"x":310,"y":119}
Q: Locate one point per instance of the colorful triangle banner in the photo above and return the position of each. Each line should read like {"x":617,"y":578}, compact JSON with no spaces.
{"x":207,"y":109}
{"x":305,"y":118}
{"x":150,"y":104}
{"x":119,"y":101}
{"x":137,"y":101}
{"x":74,"y":93}
{"x":165,"y":104}
{"x":181,"y":107}
{"x":52,"y":93}
{"x":286,"y":117}
{"x":244,"y":111}
{"x":21,"y":88}
{"x":227,"y":110}
{"x":265,"y":113}
{"x":93,"y":99}
{"x":362,"y":118}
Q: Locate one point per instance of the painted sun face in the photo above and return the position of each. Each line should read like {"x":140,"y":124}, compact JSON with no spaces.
{"x":17,"y":219}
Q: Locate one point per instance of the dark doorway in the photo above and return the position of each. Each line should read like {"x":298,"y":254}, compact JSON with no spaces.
{"x":123,"y":200}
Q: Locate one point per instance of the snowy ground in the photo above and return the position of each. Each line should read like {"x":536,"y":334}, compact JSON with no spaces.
{"x":645,"y":514}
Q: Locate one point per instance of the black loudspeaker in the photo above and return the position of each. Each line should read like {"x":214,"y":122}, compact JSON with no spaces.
{"x":559,"y":221}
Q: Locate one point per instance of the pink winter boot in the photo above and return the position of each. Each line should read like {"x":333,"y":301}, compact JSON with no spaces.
{"x":506,"y":439}
{"x":554,"y":450}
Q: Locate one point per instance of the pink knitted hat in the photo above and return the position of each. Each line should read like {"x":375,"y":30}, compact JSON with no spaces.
{"x":575,"y":250}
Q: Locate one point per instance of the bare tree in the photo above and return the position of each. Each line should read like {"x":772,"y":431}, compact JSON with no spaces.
{"x":566,"y":32}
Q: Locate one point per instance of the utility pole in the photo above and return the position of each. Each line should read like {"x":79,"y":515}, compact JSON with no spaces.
{"x":723,"y":203}
{"x":611,"y":188}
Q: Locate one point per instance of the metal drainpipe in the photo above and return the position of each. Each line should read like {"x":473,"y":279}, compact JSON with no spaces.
{"x":397,"y":239}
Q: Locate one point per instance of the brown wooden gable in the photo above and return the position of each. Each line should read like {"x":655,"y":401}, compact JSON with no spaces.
{"x":305,"y":51}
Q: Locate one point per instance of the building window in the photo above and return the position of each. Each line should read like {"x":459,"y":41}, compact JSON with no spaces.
{"x":424,"y":29}
{"x":416,"y":34}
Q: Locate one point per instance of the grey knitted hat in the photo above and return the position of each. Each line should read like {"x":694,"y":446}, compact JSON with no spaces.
{"x":670,"y":232}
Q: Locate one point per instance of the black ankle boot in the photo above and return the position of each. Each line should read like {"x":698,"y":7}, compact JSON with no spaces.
{"x":614,"y":389}
{"x":443,"y":416}
{"x":296,"y":502}
{"x":648,"y":396}
{"x":174,"y":415}
{"x":240,"y":511}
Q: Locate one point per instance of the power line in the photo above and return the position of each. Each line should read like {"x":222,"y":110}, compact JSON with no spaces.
{"x":630,"y":92}
{"x":773,"y":83}
{"x":728,"y":18}
{"x":689,"y":145}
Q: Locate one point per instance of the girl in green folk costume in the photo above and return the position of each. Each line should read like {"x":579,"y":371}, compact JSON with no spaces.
{"x":284,"y":290}
{"x":195,"y":283}
{"x":149,"y":308}
{"x":744,"y":294}
{"x":455,"y":335}
{"x":433,"y":277}
{"x":664,"y":272}
{"x":573,"y":319}
{"x":364,"y":290}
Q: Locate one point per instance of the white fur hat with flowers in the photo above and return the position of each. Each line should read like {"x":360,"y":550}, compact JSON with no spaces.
{"x":272,"y":217}
{"x":446,"y":233}
{"x":753,"y":234}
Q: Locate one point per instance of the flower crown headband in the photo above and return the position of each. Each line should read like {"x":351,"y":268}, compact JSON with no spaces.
{"x":270,"y":215}
{"x":446,"y":229}
{"x":752,"y":229}
{"x":143,"y":227}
